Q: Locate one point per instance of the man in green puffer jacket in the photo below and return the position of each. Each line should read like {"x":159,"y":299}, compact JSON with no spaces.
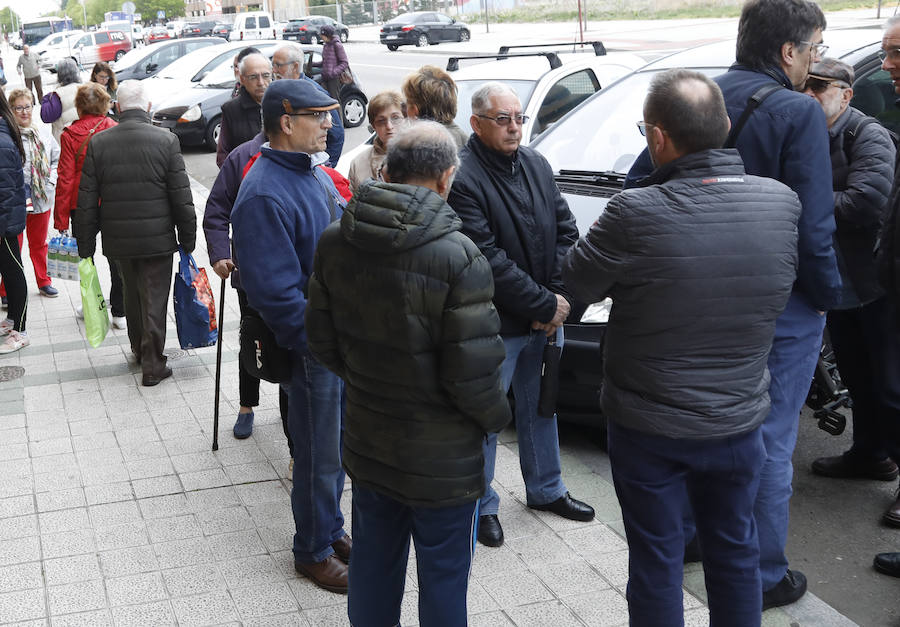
{"x":400,"y":307}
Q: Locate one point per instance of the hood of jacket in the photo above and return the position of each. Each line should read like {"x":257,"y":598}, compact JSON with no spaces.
{"x":391,"y":217}
{"x":80,"y":129}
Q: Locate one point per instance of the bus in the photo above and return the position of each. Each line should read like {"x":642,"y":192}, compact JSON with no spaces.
{"x":36,"y":30}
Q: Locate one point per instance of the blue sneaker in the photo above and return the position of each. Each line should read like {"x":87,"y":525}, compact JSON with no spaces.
{"x":243,"y":428}
{"x":49,"y":291}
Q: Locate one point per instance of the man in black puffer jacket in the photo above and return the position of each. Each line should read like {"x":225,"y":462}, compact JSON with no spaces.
{"x":135,"y":193}
{"x":400,"y":308}
{"x":699,"y":263}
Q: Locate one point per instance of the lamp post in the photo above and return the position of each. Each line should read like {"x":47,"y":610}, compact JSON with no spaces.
{"x":84,"y":14}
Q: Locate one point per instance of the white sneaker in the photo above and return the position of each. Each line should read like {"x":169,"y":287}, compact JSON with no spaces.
{"x":6,"y":326}
{"x":118,"y":322}
{"x":79,"y":312}
{"x":14,"y":341}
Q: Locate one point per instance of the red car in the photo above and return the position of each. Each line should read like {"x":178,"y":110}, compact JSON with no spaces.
{"x":158,"y":34}
{"x":101,"y":45}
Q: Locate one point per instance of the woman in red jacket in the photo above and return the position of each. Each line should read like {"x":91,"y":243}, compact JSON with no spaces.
{"x":92,"y":103}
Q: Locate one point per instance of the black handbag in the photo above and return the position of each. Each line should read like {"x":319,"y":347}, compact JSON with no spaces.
{"x":260,"y":354}
{"x":549,"y":378}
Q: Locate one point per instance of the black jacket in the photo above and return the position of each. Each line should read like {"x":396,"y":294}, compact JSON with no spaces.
{"x":699,"y":264}
{"x":513,"y":211}
{"x":241,"y":122}
{"x":135,"y":192}
{"x":400,"y":308}
{"x":12,"y":185}
{"x":861,"y":189}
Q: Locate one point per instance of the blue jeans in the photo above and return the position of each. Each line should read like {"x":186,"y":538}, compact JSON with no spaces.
{"x":795,"y":351}
{"x":315,"y":420}
{"x":538,"y":439}
{"x":651,"y":474}
{"x":445,"y":544}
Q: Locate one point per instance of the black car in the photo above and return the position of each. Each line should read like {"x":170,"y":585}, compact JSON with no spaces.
{"x":201,"y":29}
{"x":306,"y":29}
{"x":422,"y":28}
{"x":222,"y":30}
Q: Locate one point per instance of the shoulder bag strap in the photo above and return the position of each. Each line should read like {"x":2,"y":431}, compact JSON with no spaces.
{"x":752,"y":103}
{"x":84,"y":144}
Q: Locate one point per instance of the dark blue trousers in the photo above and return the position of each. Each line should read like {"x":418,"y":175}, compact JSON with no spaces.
{"x":651,"y":474}
{"x":445,"y":543}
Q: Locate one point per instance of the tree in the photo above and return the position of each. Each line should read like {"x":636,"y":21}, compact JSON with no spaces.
{"x":148,"y":8}
{"x":9,"y":19}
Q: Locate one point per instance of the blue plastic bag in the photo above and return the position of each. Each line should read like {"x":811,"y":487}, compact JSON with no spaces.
{"x":195,"y":309}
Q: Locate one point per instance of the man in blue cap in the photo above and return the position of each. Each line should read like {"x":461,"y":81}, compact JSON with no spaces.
{"x":284,"y":204}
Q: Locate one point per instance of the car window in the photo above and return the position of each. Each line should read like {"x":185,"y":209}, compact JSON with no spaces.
{"x":102,"y":38}
{"x":874,"y":95}
{"x":443,"y":19}
{"x":85,"y":41}
{"x":465,"y":89}
{"x":249,"y":23}
{"x":190,"y":46}
{"x":312,"y":64}
{"x":565,"y":95}
{"x":165,"y":56}
{"x":264,"y":21}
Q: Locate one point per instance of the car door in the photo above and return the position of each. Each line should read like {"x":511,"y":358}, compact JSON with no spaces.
{"x":264,"y":27}
{"x":563,"y":96}
{"x":104,"y":48}
{"x":448,"y":32}
{"x":428,"y":24}
{"x":160,"y":59}
{"x":86,"y":51}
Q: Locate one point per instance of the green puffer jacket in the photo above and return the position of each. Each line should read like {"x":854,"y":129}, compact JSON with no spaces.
{"x":400,"y":308}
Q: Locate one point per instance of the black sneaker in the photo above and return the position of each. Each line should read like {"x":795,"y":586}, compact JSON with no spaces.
{"x":786,"y":591}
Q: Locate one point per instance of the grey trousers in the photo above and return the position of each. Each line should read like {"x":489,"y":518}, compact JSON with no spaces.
{"x":147,"y":281}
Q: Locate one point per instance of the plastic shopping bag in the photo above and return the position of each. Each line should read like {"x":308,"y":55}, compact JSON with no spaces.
{"x":195,"y":309}
{"x":96,"y":314}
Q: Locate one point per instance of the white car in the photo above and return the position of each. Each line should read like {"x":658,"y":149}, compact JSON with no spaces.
{"x":60,"y":46}
{"x":253,"y":25}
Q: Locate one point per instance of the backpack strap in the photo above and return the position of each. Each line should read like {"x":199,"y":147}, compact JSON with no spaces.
{"x":851,"y":135}
{"x":752,"y":103}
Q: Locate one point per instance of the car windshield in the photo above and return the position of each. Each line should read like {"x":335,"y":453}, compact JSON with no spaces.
{"x":188,"y":65}
{"x":467,"y":88}
{"x":132,"y":57}
{"x":601,"y":135}
{"x":221,"y":77}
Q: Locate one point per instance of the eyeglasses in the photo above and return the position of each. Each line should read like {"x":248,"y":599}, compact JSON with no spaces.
{"x":102,"y":77}
{"x":395,"y":120}
{"x":255,"y":78}
{"x":22,"y":109}
{"x":893,"y":54}
{"x":818,"y":50}
{"x":642,"y":127}
{"x":318,"y":116}
{"x":277,"y":64}
{"x":817,"y":85}
{"x":504,"y":119}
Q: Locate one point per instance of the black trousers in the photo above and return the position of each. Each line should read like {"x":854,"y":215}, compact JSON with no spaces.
{"x":147,"y":281}
{"x":866,"y":343}
{"x":116,"y":290}
{"x":13,"y":274}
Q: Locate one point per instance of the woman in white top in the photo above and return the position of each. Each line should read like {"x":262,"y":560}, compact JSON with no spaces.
{"x":387,"y":118}
{"x":69,"y":80}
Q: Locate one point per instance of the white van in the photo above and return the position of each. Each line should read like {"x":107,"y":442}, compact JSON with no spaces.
{"x":253,"y":25}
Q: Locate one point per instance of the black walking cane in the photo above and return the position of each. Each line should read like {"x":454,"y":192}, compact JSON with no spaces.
{"x":215,"y":445}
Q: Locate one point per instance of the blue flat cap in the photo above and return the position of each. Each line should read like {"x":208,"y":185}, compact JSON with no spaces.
{"x":293,"y":95}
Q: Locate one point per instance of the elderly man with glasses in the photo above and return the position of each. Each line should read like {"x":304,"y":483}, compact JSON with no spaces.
{"x":240,"y":115}
{"x":513,"y":211}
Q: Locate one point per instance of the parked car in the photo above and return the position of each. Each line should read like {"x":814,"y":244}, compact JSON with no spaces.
{"x":159,"y":33}
{"x":62,"y":48}
{"x":253,"y":25}
{"x":149,"y":61}
{"x":54,"y":40}
{"x":592,"y":148}
{"x":354,"y":102}
{"x":137,"y":34}
{"x":222,"y":30}
{"x":306,"y":29}
{"x":200,"y":29}
{"x":175,"y":28}
{"x":101,"y":45}
{"x":422,"y":28}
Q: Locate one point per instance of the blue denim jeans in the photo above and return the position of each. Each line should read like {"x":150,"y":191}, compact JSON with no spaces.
{"x":445,"y":544}
{"x":315,"y":422}
{"x":795,"y":351}
{"x":537,"y":436}
{"x":651,"y":474}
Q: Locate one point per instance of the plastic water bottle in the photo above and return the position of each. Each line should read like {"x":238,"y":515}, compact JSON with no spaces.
{"x":53,"y":256}
{"x":71,"y":256}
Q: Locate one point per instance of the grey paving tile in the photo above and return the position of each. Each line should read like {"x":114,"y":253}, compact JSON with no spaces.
{"x":263,"y":492}
{"x":20,"y":550}
{"x":67,"y":543}
{"x":14,"y":451}
{"x":327,"y":616}
{"x":158,"y":613}
{"x":593,"y":538}
{"x":605,"y":608}
{"x":130,"y":561}
{"x":156,"y":486}
{"x":51,"y":446}
{"x":19,"y":527}
{"x":294,"y":619}
{"x":49,"y":431}
{"x":311,"y":596}
{"x":109,"y":473}
{"x":183,"y":446}
{"x":696,"y":618}
{"x":134,"y":589}
{"x":112,"y":514}
{"x":84,"y":428}
{"x":138,"y":435}
{"x":77,"y":597}
{"x":516,"y":588}
{"x":17,"y":506}
{"x":107,"y":456}
{"x":570,"y":578}
{"x":147,"y":468}
{"x":204,"y":479}
{"x":249,"y":571}
{"x":20,"y":577}
{"x":613,"y":566}
{"x":53,"y":463}
{"x":265,"y":600}
{"x":71,"y":569}
{"x":191,"y":580}
{"x":96,"y":618}
{"x":542,"y":614}
{"x":270,"y":514}
{"x":542,"y":549}
{"x":164,"y":506}
{"x":174,"y":528}
{"x":278,"y":537}
{"x":60,"y":499}
{"x":193,"y":462}
{"x":177,"y":553}
{"x":205,"y":609}
{"x":246,"y":453}
{"x":214,"y":521}
{"x":151,"y":449}
{"x":58,"y":480}
{"x":108,"y":493}
{"x":247,"y":473}
{"x":96,"y":440}
{"x":64,"y":520}
{"x":495,"y":561}
{"x":490,"y":619}
{"x":22,"y":605}
{"x":228,"y":546}
{"x":121,"y":536}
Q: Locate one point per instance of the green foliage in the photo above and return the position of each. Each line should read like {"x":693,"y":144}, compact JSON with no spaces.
{"x":9,"y":19}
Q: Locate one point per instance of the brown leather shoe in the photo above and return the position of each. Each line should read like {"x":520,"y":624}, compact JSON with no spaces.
{"x":342,"y":548}
{"x":892,"y":516}
{"x":847,"y":466}
{"x":330,"y":573}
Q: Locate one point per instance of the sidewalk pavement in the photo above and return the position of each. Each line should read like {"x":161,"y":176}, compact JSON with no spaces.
{"x":115,"y":510}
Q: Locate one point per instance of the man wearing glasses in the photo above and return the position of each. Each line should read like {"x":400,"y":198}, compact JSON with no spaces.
{"x":284,"y":204}
{"x":240,"y":115}
{"x":513,"y":211}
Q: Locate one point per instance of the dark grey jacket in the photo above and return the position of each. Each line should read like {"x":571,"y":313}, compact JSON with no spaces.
{"x":861,"y":189}
{"x":400,"y":308}
{"x":699,"y":263}
{"x":135,"y":192}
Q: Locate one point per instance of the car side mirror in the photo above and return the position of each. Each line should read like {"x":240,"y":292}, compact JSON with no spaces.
{"x":151,"y":67}
{"x":453,"y":20}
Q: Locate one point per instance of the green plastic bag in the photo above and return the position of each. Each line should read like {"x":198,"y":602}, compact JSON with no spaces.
{"x":96,"y":315}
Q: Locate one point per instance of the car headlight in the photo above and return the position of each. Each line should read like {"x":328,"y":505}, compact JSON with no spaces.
{"x":191,"y":115}
{"x":597,"y":313}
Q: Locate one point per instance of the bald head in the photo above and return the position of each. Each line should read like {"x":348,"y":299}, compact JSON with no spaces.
{"x":423,"y":154}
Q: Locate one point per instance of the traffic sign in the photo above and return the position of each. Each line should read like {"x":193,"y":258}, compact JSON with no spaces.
{"x":161,"y":14}
{"x":128,"y":7}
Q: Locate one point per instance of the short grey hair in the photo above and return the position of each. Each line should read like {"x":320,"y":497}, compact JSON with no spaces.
{"x":421,"y":152}
{"x":294,"y":54}
{"x":67,"y":72}
{"x":131,"y":95}
{"x":891,"y":22}
{"x":258,"y":55}
{"x":481,"y":99}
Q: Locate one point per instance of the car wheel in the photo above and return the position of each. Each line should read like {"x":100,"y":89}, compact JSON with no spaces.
{"x":422,"y":41}
{"x":393,"y":47}
{"x":120,"y":54}
{"x":344,"y":36}
{"x":313,"y":39}
{"x":464,"y":35}
{"x":353,"y":111}
{"x":212,"y":133}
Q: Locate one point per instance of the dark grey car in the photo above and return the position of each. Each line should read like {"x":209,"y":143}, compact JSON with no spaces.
{"x":422,"y":28}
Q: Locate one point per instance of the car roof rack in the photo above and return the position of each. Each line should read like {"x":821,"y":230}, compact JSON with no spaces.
{"x":552,"y":57}
{"x":599,"y":48}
